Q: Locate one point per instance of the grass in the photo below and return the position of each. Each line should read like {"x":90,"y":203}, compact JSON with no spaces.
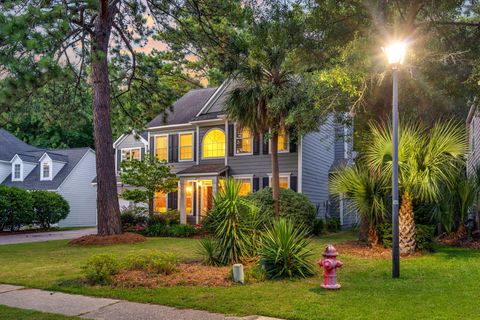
{"x":23,"y":314}
{"x":441,"y":285}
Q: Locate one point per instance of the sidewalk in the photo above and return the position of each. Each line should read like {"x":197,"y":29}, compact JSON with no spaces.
{"x":101,"y":308}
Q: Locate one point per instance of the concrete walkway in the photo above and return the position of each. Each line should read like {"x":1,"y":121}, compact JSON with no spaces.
{"x":100,"y":308}
{"x":45,"y":236}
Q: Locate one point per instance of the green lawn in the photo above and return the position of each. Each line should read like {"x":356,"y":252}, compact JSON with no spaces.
{"x":442,"y":285}
{"x":22,"y":314}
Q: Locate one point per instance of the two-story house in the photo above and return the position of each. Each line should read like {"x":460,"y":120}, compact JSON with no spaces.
{"x":68,"y":172}
{"x":203,"y":147}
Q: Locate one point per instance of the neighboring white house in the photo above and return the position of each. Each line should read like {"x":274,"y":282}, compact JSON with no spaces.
{"x":68,"y":172}
{"x":473,"y":123}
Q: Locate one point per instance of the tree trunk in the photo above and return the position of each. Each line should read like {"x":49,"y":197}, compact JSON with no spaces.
{"x":372,"y":236}
{"x":108,"y":210}
{"x":363,"y":229}
{"x":407,"y":225}
{"x":150,"y":206}
{"x":275,"y":175}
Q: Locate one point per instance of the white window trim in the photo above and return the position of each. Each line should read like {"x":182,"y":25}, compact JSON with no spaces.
{"x":154,"y":151}
{"x":245,"y":177}
{"x":287,"y":136}
{"x":21,"y":172}
{"x":203,"y":144}
{"x":235,"y":143}
{"x":193,"y":145}
{"x":50,"y":171}
{"x":132,"y":148}
{"x":281,"y":175}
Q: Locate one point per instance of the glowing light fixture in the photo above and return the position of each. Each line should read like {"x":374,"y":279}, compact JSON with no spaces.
{"x":396,"y":52}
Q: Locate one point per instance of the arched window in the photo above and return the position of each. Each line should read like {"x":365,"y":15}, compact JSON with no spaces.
{"x":214,"y":144}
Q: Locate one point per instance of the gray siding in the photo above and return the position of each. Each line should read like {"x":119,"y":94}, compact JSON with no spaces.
{"x":130,"y":142}
{"x":318,"y":152}
{"x":78,"y":190}
{"x":5,"y":170}
{"x":474,"y":144}
{"x":260,"y":165}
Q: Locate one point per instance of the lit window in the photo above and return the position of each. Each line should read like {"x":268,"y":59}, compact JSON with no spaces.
{"x":284,"y":182}
{"x":243,"y":141}
{"x":131,"y":154}
{"x":245,"y":186}
{"x":186,"y":146}
{"x":17,"y":170}
{"x":160,"y":202}
{"x":282,"y":140}
{"x":161,"y":147}
{"x":214,"y":144}
{"x":189,"y":197}
{"x":46,"y":170}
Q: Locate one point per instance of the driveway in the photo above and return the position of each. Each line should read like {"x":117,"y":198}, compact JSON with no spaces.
{"x":45,"y":236}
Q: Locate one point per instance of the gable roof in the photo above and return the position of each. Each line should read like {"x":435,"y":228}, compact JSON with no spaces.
{"x":11,"y":145}
{"x":184,"y":109}
{"x":33,"y":182}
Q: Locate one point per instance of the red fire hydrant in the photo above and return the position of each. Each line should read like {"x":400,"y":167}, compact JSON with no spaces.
{"x":330,"y":265}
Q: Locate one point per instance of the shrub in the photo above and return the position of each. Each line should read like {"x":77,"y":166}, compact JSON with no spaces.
{"x":254,"y":274}
{"x":131,"y":217}
{"x":153,"y":261}
{"x":333,"y":224}
{"x":182,"y":230}
{"x":294,"y":206}
{"x":284,"y":251}
{"x":169,"y":218}
{"x":100,"y":268}
{"x":16,"y":208}
{"x":209,"y":250}
{"x":49,"y":208}
{"x":386,"y":234}
{"x":157,"y":230}
{"x":318,"y":226}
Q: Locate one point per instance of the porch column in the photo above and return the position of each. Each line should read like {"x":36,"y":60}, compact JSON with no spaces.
{"x":214,"y":185}
{"x":181,"y":196}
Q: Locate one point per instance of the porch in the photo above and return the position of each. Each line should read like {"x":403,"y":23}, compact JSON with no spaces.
{"x":197,"y":186}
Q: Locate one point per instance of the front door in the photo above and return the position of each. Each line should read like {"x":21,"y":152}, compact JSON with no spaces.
{"x":205,"y":195}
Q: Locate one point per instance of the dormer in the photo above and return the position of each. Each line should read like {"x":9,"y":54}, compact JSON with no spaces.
{"x":50,"y":165}
{"x":22,"y":165}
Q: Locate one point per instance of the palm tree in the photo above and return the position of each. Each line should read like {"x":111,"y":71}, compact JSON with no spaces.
{"x":365,"y":192}
{"x":428,"y":159}
{"x":255,"y":101}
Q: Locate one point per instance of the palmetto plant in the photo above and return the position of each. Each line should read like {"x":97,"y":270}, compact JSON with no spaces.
{"x":284,"y":251}
{"x":428,"y":160}
{"x":365,"y":191}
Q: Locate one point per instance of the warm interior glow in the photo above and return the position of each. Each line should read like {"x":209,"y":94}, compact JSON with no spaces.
{"x":396,"y":52}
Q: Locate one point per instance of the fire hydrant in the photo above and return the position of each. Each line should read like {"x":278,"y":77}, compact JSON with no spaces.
{"x":330,"y":265}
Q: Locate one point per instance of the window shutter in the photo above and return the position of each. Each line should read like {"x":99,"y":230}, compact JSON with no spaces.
{"x":265,"y":182}
{"x":194,"y":150}
{"x":173,"y":200}
{"x":231,"y":140}
{"x":173,"y":148}
{"x":265,"y":145}
{"x":142,"y":151}
{"x":256,"y":184}
{"x":119,"y":158}
{"x":152,"y":145}
{"x":293,"y":183}
{"x":256,"y":144}
{"x":293,"y":145}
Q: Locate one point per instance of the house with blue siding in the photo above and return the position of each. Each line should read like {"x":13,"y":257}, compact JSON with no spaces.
{"x":204,"y":147}
{"x":68,"y":172}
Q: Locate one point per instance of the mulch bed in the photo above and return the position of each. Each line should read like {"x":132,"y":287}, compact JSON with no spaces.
{"x":188,"y":274}
{"x":363,"y":250}
{"x":96,"y":240}
{"x":456,"y":240}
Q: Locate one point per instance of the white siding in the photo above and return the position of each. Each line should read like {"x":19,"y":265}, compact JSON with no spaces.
{"x":78,"y":190}
{"x":474,"y":144}
{"x":5,"y":170}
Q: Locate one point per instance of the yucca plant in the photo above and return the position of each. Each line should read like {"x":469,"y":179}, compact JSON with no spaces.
{"x":229,"y":213}
{"x":428,"y":160}
{"x":365,"y":192}
{"x":284,"y":251}
{"x":209,"y":250}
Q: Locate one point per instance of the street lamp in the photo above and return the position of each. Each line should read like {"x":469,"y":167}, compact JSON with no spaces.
{"x":395,"y":55}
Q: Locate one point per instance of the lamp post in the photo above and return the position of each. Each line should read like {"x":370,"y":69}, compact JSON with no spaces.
{"x":395,"y":55}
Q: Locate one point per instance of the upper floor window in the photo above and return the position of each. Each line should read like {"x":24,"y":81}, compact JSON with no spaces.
{"x":161,"y":147}
{"x":243,"y":140}
{"x":282,"y":140}
{"x":186,"y":146}
{"x":131,"y":154}
{"x":214,"y":144}
{"x":45,"y":170}
{"x":284,"y":181}
{"x":17,"y":171}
